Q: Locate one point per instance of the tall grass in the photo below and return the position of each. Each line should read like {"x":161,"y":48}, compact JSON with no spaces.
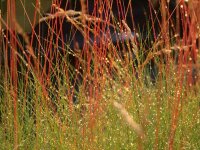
{"x":118,"y":107}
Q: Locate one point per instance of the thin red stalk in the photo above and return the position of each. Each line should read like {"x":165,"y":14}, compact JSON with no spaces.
{"x":179,"y":89}
{"x":176,"y":109}
{"x":13,"y":64}
{"x":152,"y":21}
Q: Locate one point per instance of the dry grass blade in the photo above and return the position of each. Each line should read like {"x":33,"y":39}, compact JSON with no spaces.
{"x":135,"y":126}
{"x":135,"y":48}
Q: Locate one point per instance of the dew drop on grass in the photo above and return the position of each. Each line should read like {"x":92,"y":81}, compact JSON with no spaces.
{"x":178,"y":93}
{"x":132,"y":144}
{"x":186,"y":15}
{"x":181,"y":6}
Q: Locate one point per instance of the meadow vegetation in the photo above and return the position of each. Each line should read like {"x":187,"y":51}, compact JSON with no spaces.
{"x":119,"y":104}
